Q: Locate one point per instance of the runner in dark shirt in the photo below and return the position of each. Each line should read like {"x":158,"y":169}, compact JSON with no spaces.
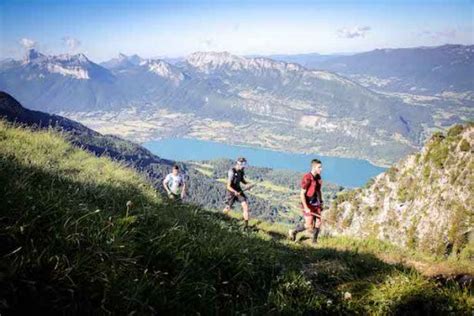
{"x":234,"y":192}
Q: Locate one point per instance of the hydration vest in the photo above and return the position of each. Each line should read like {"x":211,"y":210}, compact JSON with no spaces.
{"x":237,"y":179}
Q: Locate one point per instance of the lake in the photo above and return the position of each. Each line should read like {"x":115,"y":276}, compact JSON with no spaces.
{"x":347,"y":172}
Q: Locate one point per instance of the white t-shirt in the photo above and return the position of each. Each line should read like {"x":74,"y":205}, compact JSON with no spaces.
{"x":174,"y":183}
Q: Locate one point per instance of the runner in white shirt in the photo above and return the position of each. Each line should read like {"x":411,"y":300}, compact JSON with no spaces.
{"x":175,"y":185}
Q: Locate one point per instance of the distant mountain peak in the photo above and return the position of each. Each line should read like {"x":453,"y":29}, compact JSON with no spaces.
{"x":123,"y":61}
{"x":32,"y":54}
{"x":207,"y":61}
{"x":122,"y":56}
{"x":133,"y":59}
{"x":213,"y":59}
{"x":77,"y":59}
{"x":77,"y":66}
{"x":163,"y":69}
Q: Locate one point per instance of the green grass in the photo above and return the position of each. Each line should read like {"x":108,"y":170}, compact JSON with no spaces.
{"x":273,"y":187}
{"x":67,"y":247}
{"x":204,"y":169}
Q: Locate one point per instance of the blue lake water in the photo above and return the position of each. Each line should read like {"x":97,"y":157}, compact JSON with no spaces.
{"x":343,"y":171}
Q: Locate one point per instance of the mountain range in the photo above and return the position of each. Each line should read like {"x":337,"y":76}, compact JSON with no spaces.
{"x":246,"y":101}
{"x":419,"y":70}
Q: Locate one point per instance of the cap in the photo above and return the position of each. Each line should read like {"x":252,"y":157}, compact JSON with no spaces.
{"x":242,"y":161}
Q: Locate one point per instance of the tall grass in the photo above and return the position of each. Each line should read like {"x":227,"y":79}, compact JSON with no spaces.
{"x":67,"y":246}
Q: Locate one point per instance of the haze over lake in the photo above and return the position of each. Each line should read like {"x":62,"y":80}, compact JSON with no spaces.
{"x":343,"y":171}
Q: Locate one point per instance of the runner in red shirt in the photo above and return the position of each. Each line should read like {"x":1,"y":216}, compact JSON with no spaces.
{"x":311,"y":202}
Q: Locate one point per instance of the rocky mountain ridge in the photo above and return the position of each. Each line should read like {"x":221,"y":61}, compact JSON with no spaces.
{"x":424,"y":202}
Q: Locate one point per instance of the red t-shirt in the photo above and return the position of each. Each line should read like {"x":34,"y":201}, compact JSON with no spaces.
{"x":312,"y":185}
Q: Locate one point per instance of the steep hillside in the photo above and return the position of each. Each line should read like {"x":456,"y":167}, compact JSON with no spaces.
{"x":69,"y":246}
{"x":423,"y":202}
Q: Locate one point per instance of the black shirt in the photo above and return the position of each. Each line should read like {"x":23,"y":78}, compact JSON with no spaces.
{"x":236,"y":177}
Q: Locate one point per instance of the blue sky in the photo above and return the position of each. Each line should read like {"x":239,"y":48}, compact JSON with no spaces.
{"x":102,"y":29}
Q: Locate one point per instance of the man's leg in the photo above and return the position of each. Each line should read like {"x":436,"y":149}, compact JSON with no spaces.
{"x":309,"y":222}
{"x":308,"y":226}
{"x":229,"y":201}
{"x":245,"y":208}
{"x":292,"y":233}
{"x":317,"y":227}
{"x":226,"y":209}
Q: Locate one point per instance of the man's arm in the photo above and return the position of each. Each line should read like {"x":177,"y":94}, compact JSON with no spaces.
{"x":248,"y":185}
{"x":305,"y":183}
{"x":320,"y":194}
{"x":165,"y":184}
{"x":229,"y":187}
{"x":183,"y":192}
{"x":303,"y":200}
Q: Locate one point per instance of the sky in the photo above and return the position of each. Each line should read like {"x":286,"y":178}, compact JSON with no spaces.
{"x":103,"y":29}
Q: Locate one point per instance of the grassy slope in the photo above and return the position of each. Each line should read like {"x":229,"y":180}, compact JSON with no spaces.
{"x":67,"y":246}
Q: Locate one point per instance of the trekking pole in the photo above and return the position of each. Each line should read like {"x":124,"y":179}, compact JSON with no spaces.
{"x":250,"y":187}
{"x":320,"y":217}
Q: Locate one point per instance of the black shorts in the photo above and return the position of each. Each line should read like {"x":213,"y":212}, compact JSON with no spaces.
{"x":175,"y":197}
{"x":230,"y":198}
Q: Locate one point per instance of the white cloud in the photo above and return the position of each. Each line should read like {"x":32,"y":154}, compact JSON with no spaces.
{"x":71,"y":43}
{"x":27,"y":43}
{"x":356,"y":31}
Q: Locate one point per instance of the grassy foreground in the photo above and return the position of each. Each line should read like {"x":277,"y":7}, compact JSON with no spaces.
{"x":67,"y":246}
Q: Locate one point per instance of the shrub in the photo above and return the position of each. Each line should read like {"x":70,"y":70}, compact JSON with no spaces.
{"x":369,"y":183}
{"x":426,"y":172}
{"x":457,"y":235}
{"x":455,"y":130}
{"x":437,"y":137}
{"x":438,"y":154}
{"x":411,"y":235}
{"x":465,"y":146}
{"x":347,"y":221}
{"x":403,"y":193}
{"x":392,"y":173}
